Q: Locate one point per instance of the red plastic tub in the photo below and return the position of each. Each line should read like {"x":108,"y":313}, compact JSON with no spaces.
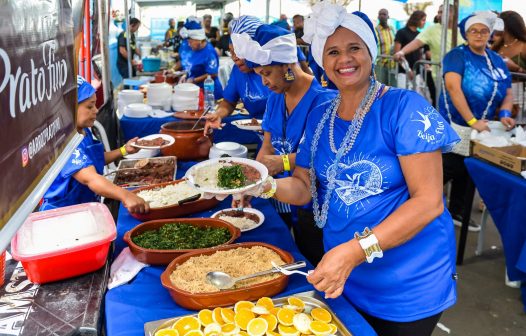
{"x":63,"y":243}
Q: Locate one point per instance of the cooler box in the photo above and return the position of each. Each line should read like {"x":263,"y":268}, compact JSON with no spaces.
{"x":65,"y":242}
{"x":151,"y":64}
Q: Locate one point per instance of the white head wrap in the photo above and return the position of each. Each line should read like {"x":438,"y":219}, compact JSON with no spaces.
{"x":487,"y":18}
{"x":324,"y":20}
{"x":193,"y":29}
{"x":499,"y":25}
{"x":280,"y":49}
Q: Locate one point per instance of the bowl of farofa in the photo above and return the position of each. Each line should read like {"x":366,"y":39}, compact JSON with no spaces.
{"x":153,"y":256}
{"x":184,"y":278}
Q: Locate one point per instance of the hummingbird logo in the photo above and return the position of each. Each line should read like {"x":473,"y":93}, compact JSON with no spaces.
{"x":425,"y":120}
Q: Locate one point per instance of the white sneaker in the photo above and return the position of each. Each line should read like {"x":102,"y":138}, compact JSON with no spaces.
{"x":473,"y":227}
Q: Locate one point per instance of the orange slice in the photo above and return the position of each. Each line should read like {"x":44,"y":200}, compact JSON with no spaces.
{"x":285,"y":316}
{"x":334,"y":329}
{"x":243,"y":317}
{"x":257,"y":327}
{"x":271,"y":320}
{"x":320,"y":328}
{"x":272,"y":333}
{"x":205,"y":317}
{"x":243,"y":305}
{"x":266,"y":302}
{"x":186,"y":324}
{"x":228,"y":315}
{"x":167,"y":332}
{"x":216,"y":316}
{"x":194,"y":333}
{"x":260,"y":310}
{"x":274,"y":311}
{"x":229,"y":329}
{"x":294,"y":301}
{"x":302,"y":322}
{"x":288,"y":331}
{"x":212,"y":328}
{"x":242,"y":333}
{"x":320,"y":314}
{"x":213,"y":333}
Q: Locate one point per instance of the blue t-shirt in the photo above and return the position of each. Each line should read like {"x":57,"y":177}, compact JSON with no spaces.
{"x":320,"y":74}
{"x":415,"y":279}
{"x":205,"y":61}
{"x":65,"y":189}
{"x":477,"y":82}
{"x":250,"y":89}
{"x":286,"y":130}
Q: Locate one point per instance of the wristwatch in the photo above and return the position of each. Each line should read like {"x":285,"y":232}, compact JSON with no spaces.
{"x":369,"y":244}
{"x":273,"y":187}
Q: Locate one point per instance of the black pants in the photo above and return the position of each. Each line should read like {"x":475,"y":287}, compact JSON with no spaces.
{"x":456,"y":172}
{"x":308,"y":237}
{"x":430,"y":81}
{"x":423,"y":327}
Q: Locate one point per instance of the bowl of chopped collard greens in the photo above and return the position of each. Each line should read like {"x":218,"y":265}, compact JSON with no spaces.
{"x":226,"y":176}
{"x":158,"y":242}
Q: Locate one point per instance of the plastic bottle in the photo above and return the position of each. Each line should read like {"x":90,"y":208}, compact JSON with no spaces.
{"x":209,"y":93}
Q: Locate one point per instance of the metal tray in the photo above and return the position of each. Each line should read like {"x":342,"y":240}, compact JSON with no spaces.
{"x":312,"y":300}
{"x":127,"y":164}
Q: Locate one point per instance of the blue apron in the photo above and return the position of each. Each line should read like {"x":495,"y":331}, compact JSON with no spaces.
{"x":66,"y":190}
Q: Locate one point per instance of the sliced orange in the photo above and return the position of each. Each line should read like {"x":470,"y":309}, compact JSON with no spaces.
{"x":243,"y":305}
{"x":228,"y":315}
{"x":321,"y":314}
{"x":288,"y":330}
{"x":320,"y":328}
{"x":334,"y":329}
{"x":257,"y":327}
{"x":212,"y":328}
{"x":205,"y":317}
{"x":260,"y":310}
{"x":274,"y":311}
{"x":266,"y":302}
{"x":242,"y":333}
{"x":272,"y":333}
{"x":185,"y":324}
{"x":285,"y":316}
{"x":229,"y":329}
{"x":167,"y":332}
{"x":294,"y":301}
{"x":243,"y":317}
{"x":213,"y":333}
{"x":271,"y":320}
{"x":302,"y":322}
{"x":194,"y":333}
{"x":216,"y":316}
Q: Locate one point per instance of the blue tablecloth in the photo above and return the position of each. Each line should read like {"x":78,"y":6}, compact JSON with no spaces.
{"x":505,"y":197}
{"x":140,"y":127}
{"x":130,"y":306}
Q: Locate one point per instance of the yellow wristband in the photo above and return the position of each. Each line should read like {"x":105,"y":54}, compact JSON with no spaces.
{"x":472,"y":121}
{"x":286,"y":162}
{"x":123,"y":150}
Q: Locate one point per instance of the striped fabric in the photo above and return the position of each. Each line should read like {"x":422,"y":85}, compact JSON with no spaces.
{"x":385,"y":41}
{"x":280,"y":206}
{"x":246,"y":24}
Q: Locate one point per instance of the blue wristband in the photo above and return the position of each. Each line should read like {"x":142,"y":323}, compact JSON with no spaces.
{"x":504,"y":114}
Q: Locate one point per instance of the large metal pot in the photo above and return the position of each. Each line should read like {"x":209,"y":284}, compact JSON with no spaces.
{"x":189,"y":144}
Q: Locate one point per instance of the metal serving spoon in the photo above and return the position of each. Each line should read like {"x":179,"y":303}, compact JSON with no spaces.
{"x":224,"y":281}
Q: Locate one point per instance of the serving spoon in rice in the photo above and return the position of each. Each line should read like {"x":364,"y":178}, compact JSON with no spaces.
{"x":224,"y":281}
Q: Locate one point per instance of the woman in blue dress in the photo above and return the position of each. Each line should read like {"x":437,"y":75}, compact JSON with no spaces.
{"x":272,"y":52}
{"x":200,"y":60}
{"x":470,"y":106}
{"x":81,"y":180}
{"x":370,"y":161}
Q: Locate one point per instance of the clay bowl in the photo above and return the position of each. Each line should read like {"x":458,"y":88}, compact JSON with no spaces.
{"x":164,"y":257}
{"x":190,"y":145}
{"x":176,"y":210}
{"x":225,"y":297}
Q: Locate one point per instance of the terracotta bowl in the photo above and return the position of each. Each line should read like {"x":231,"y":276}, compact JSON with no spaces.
{"x":175,"y":210}
{"x":226,"y":297}
{"x":164,"y":257}
{"x":189,"y":144}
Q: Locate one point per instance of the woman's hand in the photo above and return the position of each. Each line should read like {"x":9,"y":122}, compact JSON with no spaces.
{"x":481,"y":125}
{"x":212,"y":121}
{"x":129,"y":148}
{"x":274,"y":163}
{"x":398,"y":56}
{"x":134,"y":203}
{"x":243,"y":202}
{"x":508,"y":122}
{"x":335,"y":267}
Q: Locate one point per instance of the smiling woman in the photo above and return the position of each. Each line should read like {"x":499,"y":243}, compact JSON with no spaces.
{"x":370,"y":161}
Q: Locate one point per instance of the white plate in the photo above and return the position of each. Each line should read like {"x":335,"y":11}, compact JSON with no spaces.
{"x":160,"y":114}
{"x":143,"y":154}
{"x":263,"y":171}
{"x":243,"y":124}
{"x":166,"y":137}
{"x":249,"y":210}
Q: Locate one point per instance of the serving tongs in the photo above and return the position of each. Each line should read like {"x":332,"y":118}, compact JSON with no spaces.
{"x":202,"y":115}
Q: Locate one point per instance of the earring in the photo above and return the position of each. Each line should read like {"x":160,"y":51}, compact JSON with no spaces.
{"x":289,"y":75}
{"x":323,"y":81}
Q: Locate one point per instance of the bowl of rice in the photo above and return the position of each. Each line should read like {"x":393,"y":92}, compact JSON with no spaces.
{"x":227,"y":176}
{"x":244,"y":219}
{"x":185,"y":232}
{"x":185,"y":276}
{"x":172,"y":199}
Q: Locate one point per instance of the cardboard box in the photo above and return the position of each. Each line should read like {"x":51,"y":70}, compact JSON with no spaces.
{"x":511,"y":158}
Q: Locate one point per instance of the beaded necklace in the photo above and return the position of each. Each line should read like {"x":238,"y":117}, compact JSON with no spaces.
{"x":374,"y":90}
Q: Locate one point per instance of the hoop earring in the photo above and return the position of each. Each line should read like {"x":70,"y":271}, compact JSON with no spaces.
{"x":289,"y":75}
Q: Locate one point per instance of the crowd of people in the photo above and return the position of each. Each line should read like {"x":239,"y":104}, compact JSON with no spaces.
{"x":359,"y":165}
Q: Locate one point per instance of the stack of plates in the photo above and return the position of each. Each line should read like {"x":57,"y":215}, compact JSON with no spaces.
{"x":137,"y":110}
{"x":127,"y":97}
{"x":159,"y":94}
{"x":185,"y":97}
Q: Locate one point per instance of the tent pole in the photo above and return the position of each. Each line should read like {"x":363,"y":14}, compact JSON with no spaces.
{"x":128,"y":37}
{"x":103,"y":36}
{"x":443,"y":45}
{"x":267,"y":13}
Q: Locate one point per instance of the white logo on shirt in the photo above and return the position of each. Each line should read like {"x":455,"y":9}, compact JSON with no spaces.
{"x":434,"y":126}
{"x":282,"y":147}
{"x":77,"y":160}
